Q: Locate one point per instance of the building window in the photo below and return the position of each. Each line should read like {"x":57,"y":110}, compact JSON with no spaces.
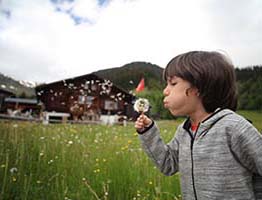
{"x":111,"y":105}
{"x":85,"y":100}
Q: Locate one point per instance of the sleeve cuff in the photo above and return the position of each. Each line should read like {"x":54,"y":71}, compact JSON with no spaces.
{"x":146,"y":128}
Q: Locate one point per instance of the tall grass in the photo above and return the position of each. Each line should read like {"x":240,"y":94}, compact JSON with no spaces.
{"x":78,"y":162}
{"x":92,"y":162}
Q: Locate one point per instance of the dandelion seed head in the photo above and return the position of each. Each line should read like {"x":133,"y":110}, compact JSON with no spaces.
{"x":141,"y":105}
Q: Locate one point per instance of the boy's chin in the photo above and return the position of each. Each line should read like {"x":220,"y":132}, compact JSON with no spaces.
{"x":176,"y":113}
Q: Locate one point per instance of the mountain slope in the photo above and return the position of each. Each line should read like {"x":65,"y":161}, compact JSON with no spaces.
{"x":129,"y":75}
{"x":19,"y":89}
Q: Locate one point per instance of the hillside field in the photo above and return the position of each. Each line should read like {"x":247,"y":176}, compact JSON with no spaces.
{"x":94,"y":162}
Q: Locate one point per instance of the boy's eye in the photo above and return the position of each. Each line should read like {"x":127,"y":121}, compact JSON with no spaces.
{"x":173,"y":83}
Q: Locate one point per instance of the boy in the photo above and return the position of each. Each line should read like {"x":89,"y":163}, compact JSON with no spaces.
{"x":215,"y":150}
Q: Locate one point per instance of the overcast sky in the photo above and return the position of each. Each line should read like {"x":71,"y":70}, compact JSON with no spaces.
{"x":49,"y":40}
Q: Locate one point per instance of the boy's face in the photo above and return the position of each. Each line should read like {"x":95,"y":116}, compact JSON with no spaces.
{"x":181,"y":98}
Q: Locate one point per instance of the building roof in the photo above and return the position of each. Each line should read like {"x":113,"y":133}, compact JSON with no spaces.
{"x":6,"y":92}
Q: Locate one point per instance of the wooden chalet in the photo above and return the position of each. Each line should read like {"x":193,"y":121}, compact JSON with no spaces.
{"x":4,"y":94}
{"x":21,"y":106}
{"x":85,"y":97}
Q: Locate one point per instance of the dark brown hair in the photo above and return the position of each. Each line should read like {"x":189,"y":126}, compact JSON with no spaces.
{"x":211,"y":73}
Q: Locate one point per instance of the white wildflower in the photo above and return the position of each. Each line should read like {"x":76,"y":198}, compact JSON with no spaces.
{"x":13,"y":170}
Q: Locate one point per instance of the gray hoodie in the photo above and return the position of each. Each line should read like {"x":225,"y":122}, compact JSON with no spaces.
{"x":216,"y":162}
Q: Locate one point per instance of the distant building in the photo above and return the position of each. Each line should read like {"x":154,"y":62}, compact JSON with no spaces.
{"x":21,"y":106}
{"x":85,"y":97}
{"x":4,"y":94}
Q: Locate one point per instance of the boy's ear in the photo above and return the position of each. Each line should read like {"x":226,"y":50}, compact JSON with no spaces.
{"x":192,"y":91}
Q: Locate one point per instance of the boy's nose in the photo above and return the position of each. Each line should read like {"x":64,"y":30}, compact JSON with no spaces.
{"x":165,"y":91}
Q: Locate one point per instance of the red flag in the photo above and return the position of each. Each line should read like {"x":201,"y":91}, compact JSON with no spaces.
{"x":141,"y":85}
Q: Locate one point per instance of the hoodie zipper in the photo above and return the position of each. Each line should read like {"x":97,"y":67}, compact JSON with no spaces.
{"x":192,"y":167}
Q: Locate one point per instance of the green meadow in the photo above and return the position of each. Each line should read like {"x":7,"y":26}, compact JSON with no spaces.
{"x":92,"y":162}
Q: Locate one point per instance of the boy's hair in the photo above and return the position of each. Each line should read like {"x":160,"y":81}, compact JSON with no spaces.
{"x":211,"y":73}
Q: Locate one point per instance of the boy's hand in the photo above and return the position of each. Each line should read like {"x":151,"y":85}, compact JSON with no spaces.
{"x":142,"y":122}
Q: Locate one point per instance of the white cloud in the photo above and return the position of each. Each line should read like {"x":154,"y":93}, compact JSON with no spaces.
{"x":38,"y":43}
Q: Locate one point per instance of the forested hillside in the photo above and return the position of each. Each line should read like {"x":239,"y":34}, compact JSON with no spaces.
{"x":250,"y":88}
{"x":129,"y":75}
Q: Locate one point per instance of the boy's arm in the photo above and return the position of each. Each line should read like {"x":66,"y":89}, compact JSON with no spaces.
{"x":164,"y":156}
{"x":247,"y":146}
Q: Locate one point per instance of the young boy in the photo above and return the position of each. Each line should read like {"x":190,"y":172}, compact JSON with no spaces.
{"x":216,"y":151}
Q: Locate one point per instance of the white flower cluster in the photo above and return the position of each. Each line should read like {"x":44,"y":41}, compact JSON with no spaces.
{"x":141,"y":105}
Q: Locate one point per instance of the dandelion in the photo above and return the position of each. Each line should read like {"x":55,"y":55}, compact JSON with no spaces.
{"x":14,"y":179}
{"x":141,"y":105}
{"x":38,"y":181}
{"x":2,"y":166}
{"x":150,"y":183}
{"x":70,"y":142}
{"x":97,"y":159}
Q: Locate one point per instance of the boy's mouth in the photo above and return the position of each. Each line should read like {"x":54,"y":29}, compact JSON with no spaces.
{"x":165,"y":104}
